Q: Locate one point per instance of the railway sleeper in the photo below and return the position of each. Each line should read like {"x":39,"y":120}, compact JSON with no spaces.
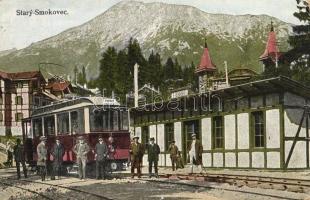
{"x":297,"y":189}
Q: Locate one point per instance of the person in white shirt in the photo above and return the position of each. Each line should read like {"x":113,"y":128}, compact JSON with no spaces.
{"x":195,"y":152}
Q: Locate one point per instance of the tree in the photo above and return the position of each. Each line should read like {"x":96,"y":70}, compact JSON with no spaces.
{"x":155,"y":70}
{"x":108,"y":63}
{"x":81,"y":79}
{"x":299,"y":55}
{"x":169,"y":71}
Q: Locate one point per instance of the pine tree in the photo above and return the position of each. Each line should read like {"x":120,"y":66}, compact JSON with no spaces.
{"x":123,"y":81}
{"x":81,"y":79}
{"x":135,"y":56}
{"x":106,"y":79}
{"x":299,"y":56}
{"x":169,"y":71}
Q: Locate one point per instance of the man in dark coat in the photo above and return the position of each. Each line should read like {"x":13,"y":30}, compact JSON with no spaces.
{"x":153,"y":151}
{"x":57,"y":153}
{"x":19,"y":155}
{"x":195,"y":152}
{"x":173,"y":150}
{"x":101,"y":152}
{"x":42,"y":156}
{"x":81,"y":150}
{"x":136,"y":151}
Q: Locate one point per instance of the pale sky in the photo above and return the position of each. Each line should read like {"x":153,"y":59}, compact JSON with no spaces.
{"x":20,"y":31}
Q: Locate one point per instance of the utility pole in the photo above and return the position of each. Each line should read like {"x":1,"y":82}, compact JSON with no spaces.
{"x":136,"y":87}
{"x":226,"y":73}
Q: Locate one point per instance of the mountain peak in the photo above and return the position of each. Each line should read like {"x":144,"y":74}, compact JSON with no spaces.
{"x":171,"y":30}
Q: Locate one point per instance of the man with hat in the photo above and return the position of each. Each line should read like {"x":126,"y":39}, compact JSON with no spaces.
{"x":195,"y":152}
{"x":81,"y":149}
{"x":42,"y":156}
{"x":101,"y":152}
{"x":136,"y":152}
{"x":57,"y":153}
{"x":153,"y":151}
{"x":173,"y":150}
{"x":19,"y":155}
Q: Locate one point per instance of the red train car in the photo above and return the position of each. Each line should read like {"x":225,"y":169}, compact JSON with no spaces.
{"x":89,"y":117}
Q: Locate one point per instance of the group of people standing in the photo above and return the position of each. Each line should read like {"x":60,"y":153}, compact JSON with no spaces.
{"x":137,"y":151}
{"x":57,"y":153}
{"x":81,"y":149}
{"x":102,"y":151}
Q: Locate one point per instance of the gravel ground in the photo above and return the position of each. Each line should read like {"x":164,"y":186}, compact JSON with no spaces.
{"x":135,"y":189}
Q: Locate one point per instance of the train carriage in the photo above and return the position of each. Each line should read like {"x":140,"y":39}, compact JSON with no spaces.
{"x":89,"y":117}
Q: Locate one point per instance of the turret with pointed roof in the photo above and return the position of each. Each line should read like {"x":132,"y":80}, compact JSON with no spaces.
{"x":271,"y":54}
{"x":205,"y":70}
{"x":206,"y":63}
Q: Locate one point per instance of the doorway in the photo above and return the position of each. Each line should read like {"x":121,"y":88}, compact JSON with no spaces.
{"x":189,"y":127}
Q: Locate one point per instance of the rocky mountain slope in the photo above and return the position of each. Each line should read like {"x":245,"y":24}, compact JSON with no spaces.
{"x":171,"y":30}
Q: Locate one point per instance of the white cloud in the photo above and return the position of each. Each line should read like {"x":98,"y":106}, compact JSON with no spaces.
{"x":21,"y":31}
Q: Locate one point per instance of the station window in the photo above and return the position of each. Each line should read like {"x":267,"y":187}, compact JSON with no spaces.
{"x":218,"y":133}
{"x":169,"y":134}
{"x":145,"y":135}
{"x":77,"y":121}
{"x":258,"y":129}
{"x":19,"y":100}
{"x":37,"y":127}
{"x":49,"y":125}
{"x":1,"y":117}
{"x":18,"y":117}
{"x":63,"y":123}
{"x":1,"y":100}
{"x":161,"y":116}
{"x":19,"y":85}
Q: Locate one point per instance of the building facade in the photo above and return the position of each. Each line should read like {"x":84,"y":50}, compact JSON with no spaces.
{"x":257,"y":125}
{"x":20,"y":93}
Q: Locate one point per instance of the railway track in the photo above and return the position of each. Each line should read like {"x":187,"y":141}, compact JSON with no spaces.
{"x":14,"y":184}
{"x":25,"y":189}
{"x":221,"y":188}
{"x":276,"y":183}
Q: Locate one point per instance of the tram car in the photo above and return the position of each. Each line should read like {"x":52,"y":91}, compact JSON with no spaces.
{"x":89,"y":117}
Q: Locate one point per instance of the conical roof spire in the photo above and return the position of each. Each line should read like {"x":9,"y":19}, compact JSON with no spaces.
{"x":271,"y":26}
{"x":206,"y":45}
{"x":206,"y":63}
{"x":271,"y":50}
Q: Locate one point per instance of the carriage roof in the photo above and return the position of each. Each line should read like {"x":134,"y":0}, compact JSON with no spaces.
{"x":60,"y":106}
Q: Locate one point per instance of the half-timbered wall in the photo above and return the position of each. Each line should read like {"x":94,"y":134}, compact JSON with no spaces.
{"x":296,"y":156}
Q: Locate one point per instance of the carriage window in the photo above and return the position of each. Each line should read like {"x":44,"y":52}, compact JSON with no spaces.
{"x":63,"y":123}
{"x":96,"y":120}
{"x":124,"y":120}
{"x":37,"y":127}
{"x":77,"y":121}
{"x":49,"y":125}
{"x":114,"y":120}
{"x":111,"y":119}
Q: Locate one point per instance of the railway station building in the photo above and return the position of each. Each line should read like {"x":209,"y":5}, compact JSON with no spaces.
{"x":243,"y":121}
